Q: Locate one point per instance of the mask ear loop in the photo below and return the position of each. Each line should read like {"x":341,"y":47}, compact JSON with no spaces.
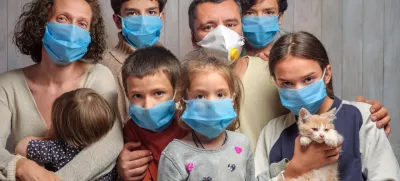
{"x":323,"y":74}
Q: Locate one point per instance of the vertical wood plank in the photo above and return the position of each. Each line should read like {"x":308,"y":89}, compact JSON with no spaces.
{"x":14,"y":57}
{"x":352,"y":48}
{"x":308,"y":16}
{"x":171,"y":23}
{"x":288,"y":17}
{"x":332,"y":20}
{"x":373,"y":38}
{"x":111,"y":28}
{"x":391,"y":70}
{"x":185,"y":43}
{"x":3,"y":36}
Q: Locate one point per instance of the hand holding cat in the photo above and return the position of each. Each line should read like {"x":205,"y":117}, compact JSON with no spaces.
{"x":313,"y":156}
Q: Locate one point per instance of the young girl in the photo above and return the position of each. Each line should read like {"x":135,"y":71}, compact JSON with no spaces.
{"x":211,"y":95}
{"x":79,"y":118}
{"x":300,"y":67}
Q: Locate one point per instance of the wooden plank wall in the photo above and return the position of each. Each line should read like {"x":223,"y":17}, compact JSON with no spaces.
{"x":362,"y":38}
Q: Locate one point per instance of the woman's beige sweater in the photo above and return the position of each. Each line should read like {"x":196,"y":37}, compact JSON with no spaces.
{"x":20,"y":117}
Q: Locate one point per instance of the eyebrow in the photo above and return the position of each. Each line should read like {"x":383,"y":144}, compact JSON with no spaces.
{"x":284,"y":80}
{"x":231,"y":20}
{"x":134,"y":9}
{"x":79,"y":18}
{"x":131,"y":9}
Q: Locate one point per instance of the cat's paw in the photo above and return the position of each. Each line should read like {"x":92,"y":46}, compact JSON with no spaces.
{"x":305,"y":141}
{"x":332,"y":141}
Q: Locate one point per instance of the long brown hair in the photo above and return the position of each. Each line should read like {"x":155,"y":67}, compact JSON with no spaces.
{"x":206,"y":63}
{"x":299,"y":44}
{"x":81,"y":117}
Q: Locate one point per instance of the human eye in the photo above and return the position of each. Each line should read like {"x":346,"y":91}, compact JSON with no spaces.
{"x":159,"y":93}
{"x":151,"y":12}
{"x":231,"y":25}
{"x":249,"y":13}
{"x":200,"y":96}
{"x":269,"y":12}
{"x":62,"y":19}
{"x":83,"y":25}
{"x":137,"y":96}
{"x":208,"y":28}
{"x":287,"y":84}
{"x":308,"y":80}
{"x":221,"y":95}
{"x":132,"y":13}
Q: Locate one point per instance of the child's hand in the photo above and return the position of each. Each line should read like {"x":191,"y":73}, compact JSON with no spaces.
{"x":313,"y":156}
{"x":23,"y":145}
{"x":132,"y":163}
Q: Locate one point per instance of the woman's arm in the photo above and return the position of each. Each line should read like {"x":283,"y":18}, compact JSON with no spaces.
{"x":378,"y":160}
{"x":7,"y":160}
{"x":100,"y":157}
{"x":13,"y":166}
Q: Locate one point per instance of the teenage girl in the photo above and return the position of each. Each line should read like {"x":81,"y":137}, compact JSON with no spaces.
{"x":300,"y":66}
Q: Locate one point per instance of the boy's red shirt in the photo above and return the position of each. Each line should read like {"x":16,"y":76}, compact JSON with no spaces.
{"x":153,"y":141}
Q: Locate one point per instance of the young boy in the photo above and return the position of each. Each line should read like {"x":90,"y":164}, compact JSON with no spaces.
{"x":79,"y":118}
{"x":261,"y":25}
{"x":132,"y":17}
{"x":150,"y":77}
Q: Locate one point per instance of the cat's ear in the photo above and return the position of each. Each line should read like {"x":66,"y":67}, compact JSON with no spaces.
{"x":330,"y":115}
{"x":304,"y":115}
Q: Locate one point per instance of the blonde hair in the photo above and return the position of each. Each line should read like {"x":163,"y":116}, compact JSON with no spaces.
{"x":81,"y":117}
{"x":207,"y":63}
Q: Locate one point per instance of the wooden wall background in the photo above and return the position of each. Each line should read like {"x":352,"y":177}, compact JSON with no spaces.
{"x":361,"y":36}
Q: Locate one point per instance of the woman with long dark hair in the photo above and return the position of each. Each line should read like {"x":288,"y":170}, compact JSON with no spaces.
{"x":65,"y":38}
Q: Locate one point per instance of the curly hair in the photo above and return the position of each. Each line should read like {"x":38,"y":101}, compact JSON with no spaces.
{"x":31,"y":25}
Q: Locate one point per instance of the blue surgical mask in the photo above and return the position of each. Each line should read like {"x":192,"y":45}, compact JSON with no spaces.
{"x":65,"y":43}
{"x":310,"y":97}
{"x":141,"y":31}
{"x":156,"y":118}
{"x":259,"y":31}
{"x":209,"y":118}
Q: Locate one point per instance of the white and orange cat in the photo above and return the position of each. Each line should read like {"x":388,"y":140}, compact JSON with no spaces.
{"x":319,"y":128}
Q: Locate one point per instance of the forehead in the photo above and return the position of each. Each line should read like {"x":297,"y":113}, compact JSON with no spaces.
{"x":294,"y":66}
{"x":77,"y":8}
{"x":214,"y":11}
{"x":263,"y":4}
{"x":137,"y":4}
{"x":159,"y":77}
{"x":211,"y":77}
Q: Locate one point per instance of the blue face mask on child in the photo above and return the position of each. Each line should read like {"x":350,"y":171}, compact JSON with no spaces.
{"x":141,"y":31}
{"x":310,"y":97}
{"x":259,"y":31}
{"x":209,"y":118}
{"x":156,"y":118}
{"x":65,"y":43}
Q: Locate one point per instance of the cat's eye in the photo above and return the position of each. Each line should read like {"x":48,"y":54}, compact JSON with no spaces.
{"x":315,"y":129}
{"x":326,"y":130}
